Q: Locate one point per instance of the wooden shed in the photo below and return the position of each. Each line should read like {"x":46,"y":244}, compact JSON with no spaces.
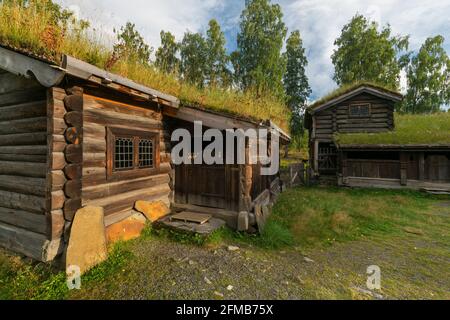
{"x":356,"y":141}
{"x":73,"y":135}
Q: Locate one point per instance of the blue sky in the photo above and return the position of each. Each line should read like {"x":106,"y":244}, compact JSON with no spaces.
{"x":319,"y":22}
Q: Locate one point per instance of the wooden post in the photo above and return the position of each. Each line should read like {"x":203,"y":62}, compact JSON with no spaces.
{"x":404,"y":168}
{"x":422,"y":166}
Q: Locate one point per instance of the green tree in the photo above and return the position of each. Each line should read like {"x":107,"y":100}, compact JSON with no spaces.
{"x":428,"y":78}
{"x":131,"y":45}
{"x":217,"y":73}
{"x":295,"y":81}
{"x":194,"y":53}
{"x":166,"y":55}
{"x":366,"y":54}
{"x":258,"y":62}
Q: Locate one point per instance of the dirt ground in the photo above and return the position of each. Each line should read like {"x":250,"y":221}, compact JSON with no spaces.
{"x":169,"y":270}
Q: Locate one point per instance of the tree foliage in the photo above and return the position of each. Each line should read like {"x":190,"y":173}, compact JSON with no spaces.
{"x":131,"y":45}
{"x":194,"y":53}
{"x":428,"y":78}
{"x":258,"y":62}
{"x":365,"y":54}
{"x":295,"y":81}
{"x":166,"y":55}
{"x":217,"y":73}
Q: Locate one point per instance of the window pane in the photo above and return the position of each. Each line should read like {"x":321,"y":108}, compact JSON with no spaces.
{"x":360,"y":110}
{"x":124,"y":155}
{"x":146,"y":153}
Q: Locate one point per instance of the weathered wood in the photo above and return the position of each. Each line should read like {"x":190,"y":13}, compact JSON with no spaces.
{"x":74,"y":153}
{"x":74,"y":135}
{"x":22,"y":96}
{"x":25,"y":139}
{"x":94,"y":145}
{"x":57,"y":143}
{"x":10,"y":82}
{"x":24,"y":150}
{"x":73,"y":171}
{"x":24,"y":169}
{"x":57,"y":180}
{"x":55,"y":223}
{"x":75,"y":91}
{"x":58,"y":161}
{"x":20,"y":201}
{"x":71,"y":206}
{"x":57,"y":200}
{"x":26,"y":110}
{"x":24,"y":219}
{"x":58,"y":126}
{"x":72,"y":189}
{"x":94,"y":131}
{"x":74,"y":119}
{"x":74,"y":103}
{"x":116,"y":188}
{"x":23,"y":158}
{"x":23,"y":125}
{"x":20,"y":240}
{"x":124,"y":122}
{"x":23,"y":185}
{"x":126,"y":200}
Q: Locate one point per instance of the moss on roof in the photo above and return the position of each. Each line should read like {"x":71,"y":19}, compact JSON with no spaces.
{"x":34,"y":33}
{"x":349,"y":88}
{"x":433,"y":129}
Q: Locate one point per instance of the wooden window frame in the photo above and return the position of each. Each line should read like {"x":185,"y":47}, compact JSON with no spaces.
{"x":368,"y":105}
{"x":136,"y":172}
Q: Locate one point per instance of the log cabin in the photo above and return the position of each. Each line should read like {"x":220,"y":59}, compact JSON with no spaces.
{"x":358,"y":140}
{"x":73,"y":135}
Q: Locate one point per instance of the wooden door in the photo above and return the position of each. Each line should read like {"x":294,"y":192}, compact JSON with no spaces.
{"x":212,"y":186}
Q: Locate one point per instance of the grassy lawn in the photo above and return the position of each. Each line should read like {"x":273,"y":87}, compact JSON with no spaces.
{"x":317,"y":245}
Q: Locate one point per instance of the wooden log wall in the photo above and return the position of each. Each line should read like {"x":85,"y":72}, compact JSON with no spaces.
{"x":337,"y":119}
{"x":118,"y":197}
{"x":24,"y":217}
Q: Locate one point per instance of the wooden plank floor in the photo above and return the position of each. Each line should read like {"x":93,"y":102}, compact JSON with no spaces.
{"x":193,"y":217}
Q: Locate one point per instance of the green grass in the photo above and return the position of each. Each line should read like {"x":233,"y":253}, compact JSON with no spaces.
{"x":348,"y":88}
{"x":25,"y":280}
{"x":33,"y":32}
{"x":409,"y":129}
{"x":335,"y":227}
{"x":309,"y":217}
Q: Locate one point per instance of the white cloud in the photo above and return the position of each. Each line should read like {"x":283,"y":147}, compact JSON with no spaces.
{"x":320,"y":22}
{"x":150,"y":17}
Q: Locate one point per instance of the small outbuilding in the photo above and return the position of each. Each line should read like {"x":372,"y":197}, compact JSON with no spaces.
{"x":73,"y":135}
{"x":358,"y":140}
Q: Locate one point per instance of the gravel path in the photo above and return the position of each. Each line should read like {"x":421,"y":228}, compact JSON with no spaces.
{"x":163,"y":269}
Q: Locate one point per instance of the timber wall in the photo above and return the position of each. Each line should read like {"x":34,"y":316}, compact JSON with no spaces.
{"x":119,"y":196}
{"x":25,"y":220}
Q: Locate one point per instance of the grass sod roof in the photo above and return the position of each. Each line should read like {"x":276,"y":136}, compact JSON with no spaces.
{"x":410,"y":130}
{"x":349,"y":88}
{"x":25,"y":30}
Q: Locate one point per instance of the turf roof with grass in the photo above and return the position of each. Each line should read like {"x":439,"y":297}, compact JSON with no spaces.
{"x":33,"y":32}
{"x":343,"y":90}
{"x":432,"y":130}
{"x":410,"y":130}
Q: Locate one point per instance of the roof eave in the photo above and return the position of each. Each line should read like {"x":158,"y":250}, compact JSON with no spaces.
{"x":88,"y":72}
{"x":46,"y":74}
{"x":382,"y":94}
